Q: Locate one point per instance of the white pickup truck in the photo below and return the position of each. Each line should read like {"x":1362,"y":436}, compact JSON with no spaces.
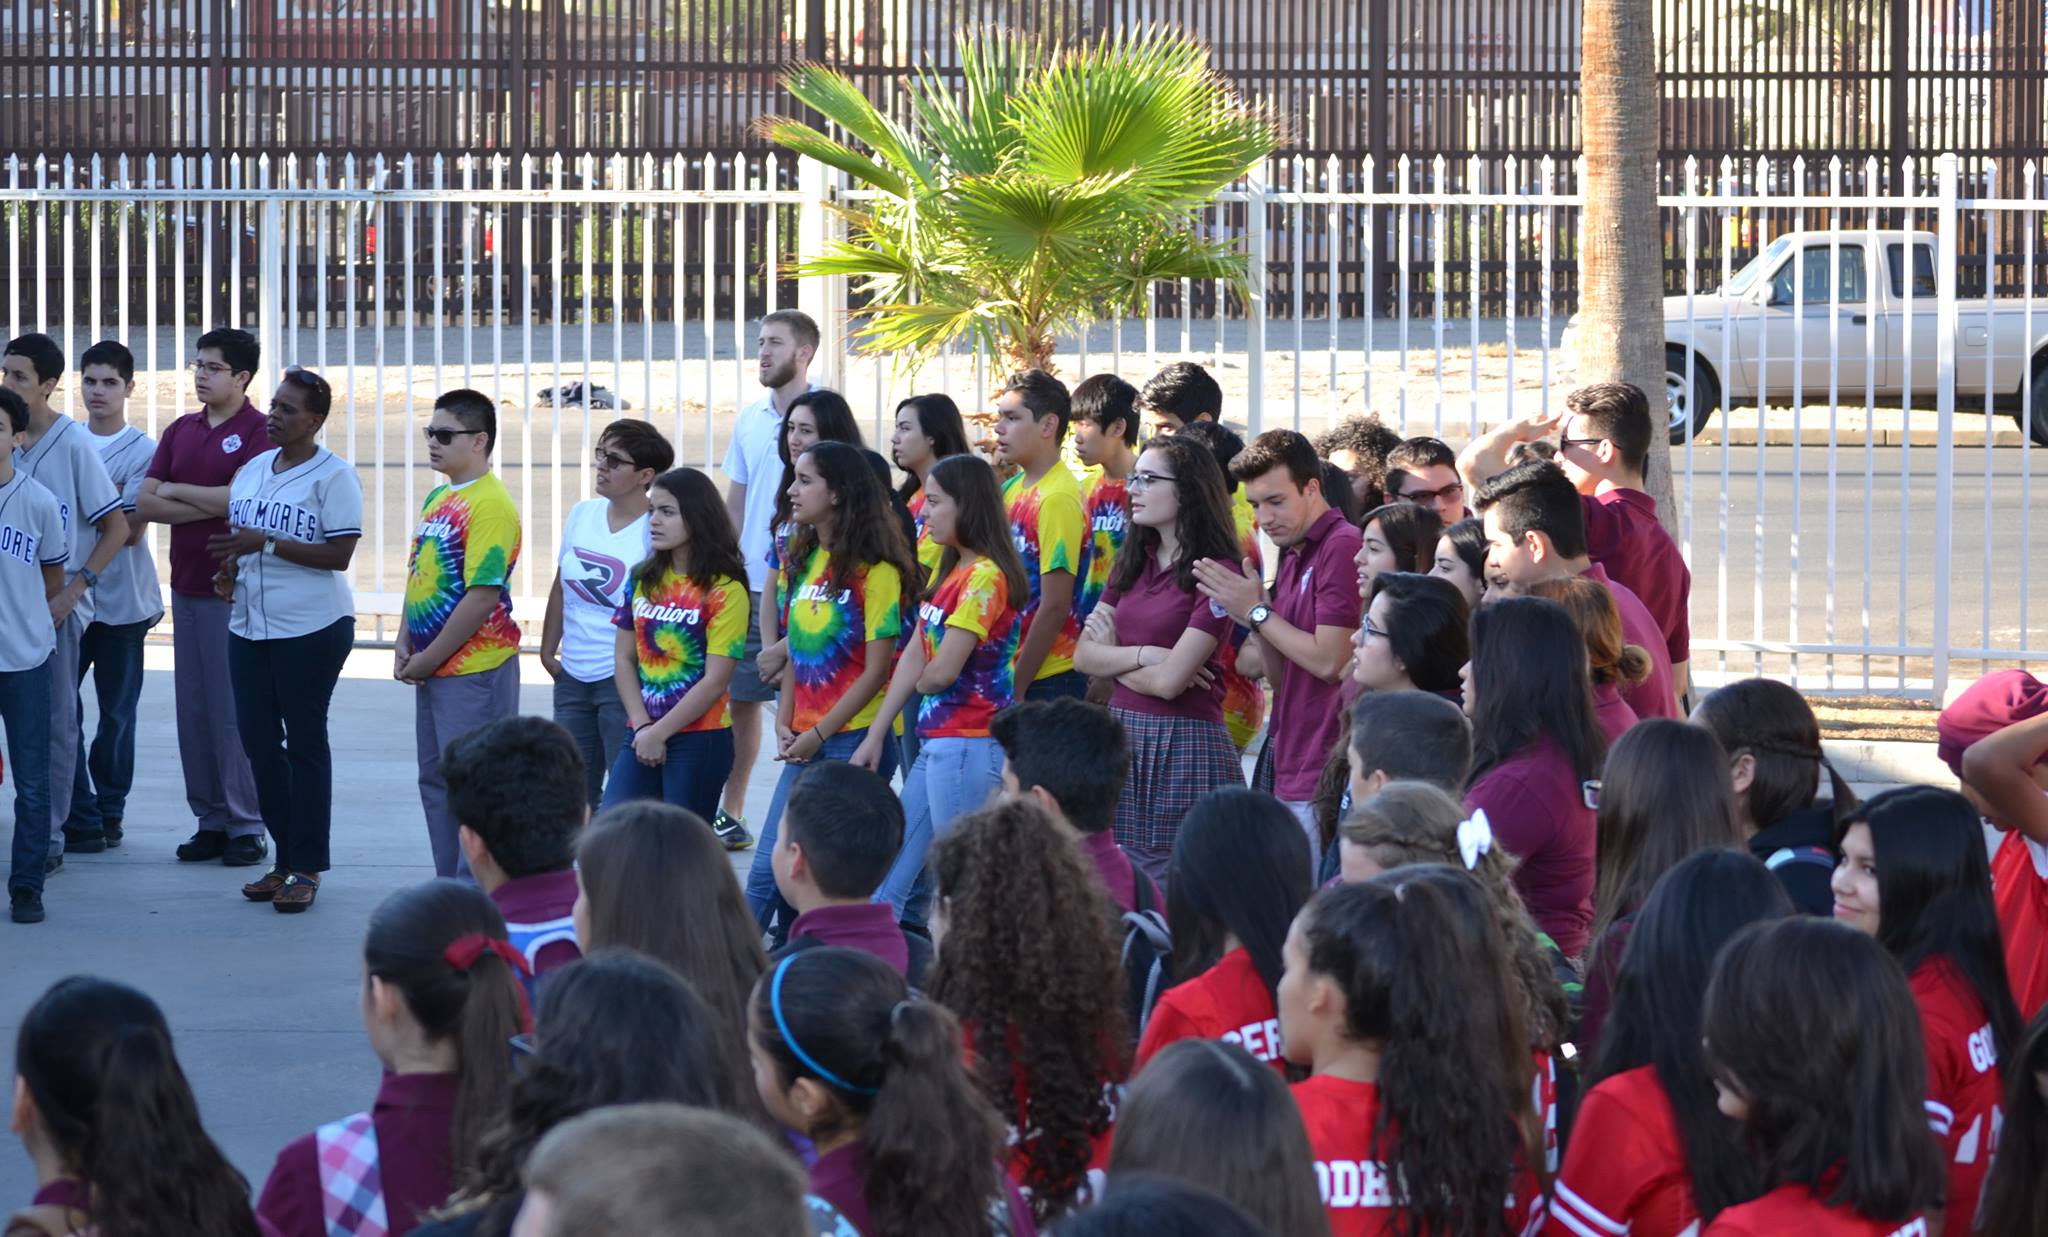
{"x":1793,"y":329}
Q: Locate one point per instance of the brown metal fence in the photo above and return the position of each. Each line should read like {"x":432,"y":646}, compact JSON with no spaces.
{"x":1490,"y":86}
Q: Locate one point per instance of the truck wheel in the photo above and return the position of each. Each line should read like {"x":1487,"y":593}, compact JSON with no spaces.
{"x":2033,"y":417}
{"x":1689,"y":406}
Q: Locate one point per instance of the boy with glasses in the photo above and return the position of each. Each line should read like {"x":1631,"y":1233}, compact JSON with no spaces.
{"x":187,"y":488}
{"x":458,"y":643}
{"x":1424,"y":471}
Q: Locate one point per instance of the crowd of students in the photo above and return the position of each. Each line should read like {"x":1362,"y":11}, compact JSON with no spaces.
{"x":1504,"y":934}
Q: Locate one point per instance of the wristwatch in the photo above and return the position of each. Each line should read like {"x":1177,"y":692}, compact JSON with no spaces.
{"x":1260,"y":613}
{"x":270,"y":546}
{"x":91,"y":577}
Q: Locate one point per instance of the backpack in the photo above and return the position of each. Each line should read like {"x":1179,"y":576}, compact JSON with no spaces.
{"x":1147,"y":949}
{"x":1800,"y":854}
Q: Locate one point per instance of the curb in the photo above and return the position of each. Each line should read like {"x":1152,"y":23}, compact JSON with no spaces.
{"x":1890,"y":762}
{"x":1817,"y":436}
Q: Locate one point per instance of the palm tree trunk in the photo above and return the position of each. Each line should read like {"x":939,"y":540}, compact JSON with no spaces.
{"x":1621,"y":278}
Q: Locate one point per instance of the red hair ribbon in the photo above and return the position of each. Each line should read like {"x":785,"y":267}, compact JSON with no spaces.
{"x":463,"y":952}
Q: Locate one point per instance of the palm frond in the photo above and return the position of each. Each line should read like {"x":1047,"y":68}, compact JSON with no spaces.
{"x":835,"y":96}
{"x":1025,"y":219}
{"x":797,"y":136}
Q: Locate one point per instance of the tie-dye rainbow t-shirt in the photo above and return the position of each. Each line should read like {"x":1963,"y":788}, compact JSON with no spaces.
{"x":929,"y":552}
{"x":1107,"y":509}
{"x":1051,"y":535}
{"x":975,"y":598}
{"x":468,"y":538}
{"x":1244,"y":701}
{"x":677,"y":627}
{"x":829,"y":630}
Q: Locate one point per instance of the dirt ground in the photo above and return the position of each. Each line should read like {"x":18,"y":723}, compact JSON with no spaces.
{"x":1872,"y":718}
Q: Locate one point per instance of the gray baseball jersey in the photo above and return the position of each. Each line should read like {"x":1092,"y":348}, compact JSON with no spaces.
{"x":66,"y":462}
{"x":318,"y":500}
{"x":128,"y":590}
{"x":31,"y":538}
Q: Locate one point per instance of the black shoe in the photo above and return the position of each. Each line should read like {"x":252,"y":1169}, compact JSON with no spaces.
{"x":731,"y":830}
{"x":53,"y":865}
{"x":112,"y":831}
{"x":84,"y":843}
{"x":245,"y":852}
{"x":28,"y":905}
{"x":202,"y":846}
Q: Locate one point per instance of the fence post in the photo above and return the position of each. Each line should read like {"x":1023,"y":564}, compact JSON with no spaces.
{"x":823,"y":298}
{"x":1255,"y":304}
{"x":269,"y":294}
{"x":1945,"y":412}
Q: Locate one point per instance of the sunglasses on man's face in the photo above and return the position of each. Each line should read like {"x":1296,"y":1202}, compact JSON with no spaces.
{"x":440,"y":437}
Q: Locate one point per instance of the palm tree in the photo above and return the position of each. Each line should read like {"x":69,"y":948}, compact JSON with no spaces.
{"x":1044,"y":190}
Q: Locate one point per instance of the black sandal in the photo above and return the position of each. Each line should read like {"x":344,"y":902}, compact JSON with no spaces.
{"x":296,"y":894}
{"x":266,"y":889}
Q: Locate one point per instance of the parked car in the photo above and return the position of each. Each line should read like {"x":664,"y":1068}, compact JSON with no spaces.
{"x":1848,"y":330}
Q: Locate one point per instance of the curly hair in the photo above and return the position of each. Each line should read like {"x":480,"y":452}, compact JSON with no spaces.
{"x":1371,"y":442}
{"x":865,"y":531}
{"x":1410,"y":823}
{"x":1029,"y":962}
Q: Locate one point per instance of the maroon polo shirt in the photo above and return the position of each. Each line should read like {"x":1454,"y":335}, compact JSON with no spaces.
{"x":1611,"y":713}
{"x":1157,"y":610}
{"x":1653,"y":697}
{"x":1624,"y":536}
{"x":1117,"y":871}
{"x":411,"y":1117}
{"x":1316,"y":586}
{"x":191,"y":452}
{"x":869,"y":927}
{"x":1536,"y":807}
{"x":543,"y":898}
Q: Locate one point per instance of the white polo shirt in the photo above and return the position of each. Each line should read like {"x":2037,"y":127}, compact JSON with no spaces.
{"x":318,"y":500}
{"x":753,"y":461}
{"x":31,"y":538}
{"x":595,"y":563}
{"x":128,"y":591}
{"x":65,"y":460}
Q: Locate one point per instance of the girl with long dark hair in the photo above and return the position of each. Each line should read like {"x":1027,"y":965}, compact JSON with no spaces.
{"x":681,"y":631}
{"x":1775,"y":764}
{"x":1160,"y":639}
{"x":960,"y":666}
{"x":1167,"y":1124}
{"x":1536,"y":757}
{"x":1914,"y":875}
{"x":1615,"y":667}
{"x":852,"y":588}
{"x":1240,"y":872}
{"x":1663,"y":795}
{"x":1398,"y":536}
{"x":441,"y":1000}
{"x":1395,"y":998}
{"x":818,"y":415}
{"x":1044,"y":1011}
{"x":1650,"y":1153}
{"x":1461,"y":558}
{"x":1814,"y":1046}
{"x":1415,"y":636}
{"x":615,"y":1028}
{"x":907,"y":1145}
{"x":652,"y":878}
{"x":109,"y":1121}
{"x":928,"y":429}
{"x":2016,"y":1192}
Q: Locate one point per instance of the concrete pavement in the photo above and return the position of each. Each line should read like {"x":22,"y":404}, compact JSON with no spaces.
{"x":264,"y":1008}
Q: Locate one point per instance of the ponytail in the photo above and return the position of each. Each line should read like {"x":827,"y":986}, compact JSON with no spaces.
{"x":97,"y":1061}
{"x":443,"y":946}
{"x":929,"y":1139}
{"x":1633,"y":666}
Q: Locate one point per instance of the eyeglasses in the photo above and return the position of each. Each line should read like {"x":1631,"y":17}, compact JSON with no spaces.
{"x":1141,"y":481}
{"x":1566,"y":444}
{"x":1370,"y":632}
{"x":443,"y":437}
{"x":1454,"y":491}
{"x":606,"y":459}
{"x":210,"y":369}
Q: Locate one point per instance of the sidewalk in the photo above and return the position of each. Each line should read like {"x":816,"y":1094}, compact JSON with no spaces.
{"x":264,"y":1008}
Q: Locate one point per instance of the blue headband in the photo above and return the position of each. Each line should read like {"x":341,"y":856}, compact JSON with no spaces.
{"x":782,"y":1026}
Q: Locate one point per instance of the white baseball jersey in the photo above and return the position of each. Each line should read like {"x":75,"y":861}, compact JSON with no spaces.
{"x":128,"y":590}
{"x":65,"y":460}
{"x":595,"y":563}
{"x":318,"y":500}
{"x":31,"y":538}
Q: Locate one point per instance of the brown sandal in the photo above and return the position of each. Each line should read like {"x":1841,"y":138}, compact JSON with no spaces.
{"x":266,"y":889}
{"x":295,"y":895}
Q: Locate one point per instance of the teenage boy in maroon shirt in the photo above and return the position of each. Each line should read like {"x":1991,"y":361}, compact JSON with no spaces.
{"x":1536,"y":530}
{"x":1603,"y":440}
{"x":515,"y":787}
{"x":1305,"y":625}
{"x":841,"y":829}
{"x":187,"y":488}
{"x":1069,"y":757}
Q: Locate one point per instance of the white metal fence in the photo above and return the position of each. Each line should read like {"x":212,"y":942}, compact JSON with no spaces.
{"x":1863,"y":524}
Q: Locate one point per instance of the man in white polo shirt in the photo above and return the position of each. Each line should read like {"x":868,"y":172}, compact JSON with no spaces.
{"x":32,"y":547}
{"x":753,"y":469}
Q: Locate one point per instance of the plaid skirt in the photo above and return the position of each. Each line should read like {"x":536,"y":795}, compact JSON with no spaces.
{"x":1174,"y":761}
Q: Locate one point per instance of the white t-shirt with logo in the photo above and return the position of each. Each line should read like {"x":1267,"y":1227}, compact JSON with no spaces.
{"x":596,"y":565}
{"x":66,"y":462}
{"x":128,"y":591}
{"x":318,"y":500}
{"x":31,"y":538}
{"x":753,"y":461}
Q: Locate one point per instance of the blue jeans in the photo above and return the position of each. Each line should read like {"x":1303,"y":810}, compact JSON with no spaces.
{"x":25,"y":697}
{"x":952,"y":777}
{"x":105,"y":772}
{"x":763,"y":898}
{"x":593,"y":714}
{"x":692,"y":777}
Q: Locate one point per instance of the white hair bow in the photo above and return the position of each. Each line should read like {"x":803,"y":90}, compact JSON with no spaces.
{"x":1475,"y":838}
